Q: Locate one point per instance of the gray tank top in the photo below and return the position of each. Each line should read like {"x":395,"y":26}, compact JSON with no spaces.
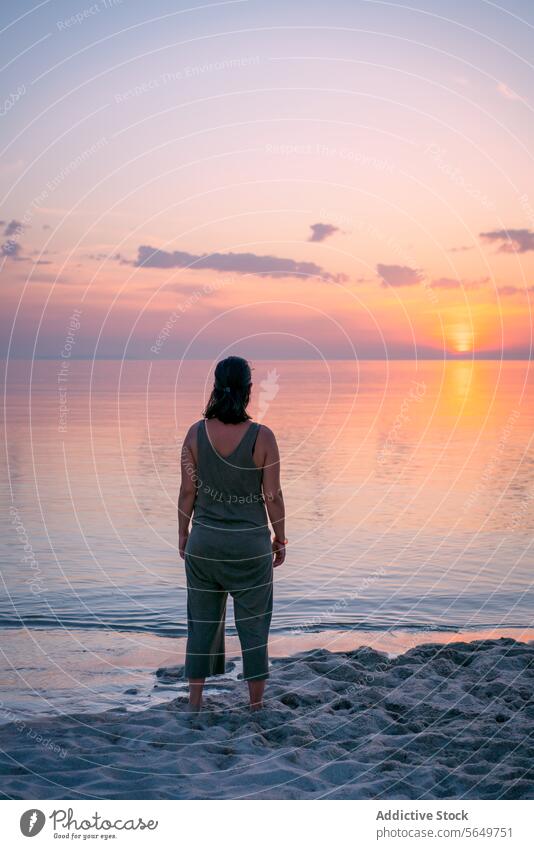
{"x":229,"y":493}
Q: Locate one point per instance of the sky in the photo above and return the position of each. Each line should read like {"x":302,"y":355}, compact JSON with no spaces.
{"x":303,"y":180}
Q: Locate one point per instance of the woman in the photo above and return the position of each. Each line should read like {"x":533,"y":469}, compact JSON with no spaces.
{"x":230,"y":475}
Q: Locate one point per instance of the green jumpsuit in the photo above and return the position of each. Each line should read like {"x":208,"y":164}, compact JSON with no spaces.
{"x":228,"y":551}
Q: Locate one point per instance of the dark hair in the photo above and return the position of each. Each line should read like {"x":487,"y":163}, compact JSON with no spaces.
{"x":231,"y":391}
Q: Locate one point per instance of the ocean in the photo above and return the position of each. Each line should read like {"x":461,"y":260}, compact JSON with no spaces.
{"x":409,"y":490}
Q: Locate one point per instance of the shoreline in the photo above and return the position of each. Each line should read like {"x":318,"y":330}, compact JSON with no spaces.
{"x":449,"y":719}
{"x":51,"y":672}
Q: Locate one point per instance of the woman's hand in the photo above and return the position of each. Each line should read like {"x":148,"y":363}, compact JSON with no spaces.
{"x":182,"y":542}
{"x":279,"y":551}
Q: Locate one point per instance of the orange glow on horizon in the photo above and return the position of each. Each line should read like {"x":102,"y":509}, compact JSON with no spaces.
{"x":461,"y":338}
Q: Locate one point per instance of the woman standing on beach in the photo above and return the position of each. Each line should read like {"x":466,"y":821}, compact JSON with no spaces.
{"x":230,"y":475}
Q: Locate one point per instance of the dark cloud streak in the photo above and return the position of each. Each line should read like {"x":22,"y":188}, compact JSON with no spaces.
{"x":515,"y":290}
{"x":13,"y":228}
{"x":511,"y":241}
{"x":240,"y":263}
{"x":320,"y":232}
{"x":398,"y":275}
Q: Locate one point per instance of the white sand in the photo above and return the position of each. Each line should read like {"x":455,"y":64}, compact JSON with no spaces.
{"x":440,"y":721}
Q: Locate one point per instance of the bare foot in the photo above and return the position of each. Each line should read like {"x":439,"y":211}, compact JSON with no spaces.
{"x":255,"y":691}
{"x":196,"y":685}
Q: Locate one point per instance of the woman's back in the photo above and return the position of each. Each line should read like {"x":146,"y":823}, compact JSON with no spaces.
{"x":229,"y":486}
{"x":225,"y":437}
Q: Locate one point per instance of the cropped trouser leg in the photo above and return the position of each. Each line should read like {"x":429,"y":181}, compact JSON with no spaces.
{"x":253,"y":610}
{"x":206,"y":614}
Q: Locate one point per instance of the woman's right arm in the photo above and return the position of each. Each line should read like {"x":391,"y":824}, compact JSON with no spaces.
{"x":272,"y":493}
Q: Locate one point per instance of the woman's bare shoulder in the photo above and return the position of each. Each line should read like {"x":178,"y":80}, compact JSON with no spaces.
{"x":191,"y":434}
{"x":266,"y":436}
{"x":264,"y":431}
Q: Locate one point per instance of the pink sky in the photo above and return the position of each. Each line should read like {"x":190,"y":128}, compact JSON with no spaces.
{"x":304,"y":182}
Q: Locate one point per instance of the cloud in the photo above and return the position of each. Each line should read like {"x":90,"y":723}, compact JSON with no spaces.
{"x":398,"y":275}
{"x":512,"y":241}
{"x":460,"y":249}
{"x":508,"y":92}
{"x":320,"y":232}
{"x":515,"y":290}
{"x":242,"y":263}
{"x":10,"y":249}
{"x":102,"y":257}
{"x":13,"y":228}
{"x":452,"y":283}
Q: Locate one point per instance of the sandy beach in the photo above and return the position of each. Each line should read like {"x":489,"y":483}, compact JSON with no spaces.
{"x":451,"y":721}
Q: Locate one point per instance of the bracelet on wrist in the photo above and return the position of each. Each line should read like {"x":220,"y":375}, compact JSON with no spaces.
{"x":281,"y":541}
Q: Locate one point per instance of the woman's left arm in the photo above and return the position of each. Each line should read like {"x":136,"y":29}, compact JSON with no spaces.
{"x":188,"y":490}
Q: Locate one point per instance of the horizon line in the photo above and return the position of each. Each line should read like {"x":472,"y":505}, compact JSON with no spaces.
{"x":446,"y":358}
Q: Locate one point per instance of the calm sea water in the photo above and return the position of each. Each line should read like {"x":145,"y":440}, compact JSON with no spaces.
{"x":409,"y":490}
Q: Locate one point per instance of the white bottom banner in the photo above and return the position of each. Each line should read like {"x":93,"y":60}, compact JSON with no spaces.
{"x":235,"y":824}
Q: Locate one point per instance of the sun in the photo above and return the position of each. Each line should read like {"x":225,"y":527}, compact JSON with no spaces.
{"x":461,"y":338}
